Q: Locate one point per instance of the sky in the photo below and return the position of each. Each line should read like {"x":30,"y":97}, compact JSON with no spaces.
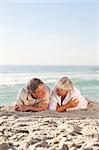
{"x":43,"y":32}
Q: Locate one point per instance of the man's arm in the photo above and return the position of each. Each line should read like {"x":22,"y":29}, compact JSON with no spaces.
{"x":70,"y":104}
{"x":36,"y":107}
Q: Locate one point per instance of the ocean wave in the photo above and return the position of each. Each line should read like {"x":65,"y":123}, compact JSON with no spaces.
{"x":22,"y":78}
{"x":12,"y":79}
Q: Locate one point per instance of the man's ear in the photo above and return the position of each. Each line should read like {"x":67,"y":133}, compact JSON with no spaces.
{"x":34,"y":94}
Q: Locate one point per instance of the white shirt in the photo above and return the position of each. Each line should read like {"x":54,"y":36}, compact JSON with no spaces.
{"x":73,"y":94}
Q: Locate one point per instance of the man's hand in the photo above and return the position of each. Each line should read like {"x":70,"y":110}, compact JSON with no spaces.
{"x":20,"y":107}
{"x":16,"y":108}
{"x":41,"y":106}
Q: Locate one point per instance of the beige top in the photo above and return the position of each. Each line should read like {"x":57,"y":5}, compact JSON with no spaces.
{"x":24,"y":98}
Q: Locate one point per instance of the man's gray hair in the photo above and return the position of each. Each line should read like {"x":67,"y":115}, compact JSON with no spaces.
{"x":33,"y":85}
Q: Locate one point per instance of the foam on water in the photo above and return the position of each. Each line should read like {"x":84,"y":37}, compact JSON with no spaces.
{"x":12,"y":79}
{"x":21,"y":78}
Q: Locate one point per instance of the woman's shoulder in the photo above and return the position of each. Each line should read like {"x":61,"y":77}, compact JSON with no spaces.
{"x":75,"y":89}
{"x":75,"y":92}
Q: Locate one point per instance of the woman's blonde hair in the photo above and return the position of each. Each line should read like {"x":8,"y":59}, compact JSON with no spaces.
{"x":65,"y":84}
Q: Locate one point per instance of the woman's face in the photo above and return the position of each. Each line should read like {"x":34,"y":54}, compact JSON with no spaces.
{"x":61,"y":92}
{"x":40,"y":91}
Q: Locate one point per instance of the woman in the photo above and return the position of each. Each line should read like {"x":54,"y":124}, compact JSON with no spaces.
{"x":33,"y":97}
{"x":65,"y":96}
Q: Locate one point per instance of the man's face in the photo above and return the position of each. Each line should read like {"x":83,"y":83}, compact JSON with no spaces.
{"x":40,"y":91}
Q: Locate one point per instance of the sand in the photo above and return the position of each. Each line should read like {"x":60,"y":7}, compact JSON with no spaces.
{"x":48,"y":130}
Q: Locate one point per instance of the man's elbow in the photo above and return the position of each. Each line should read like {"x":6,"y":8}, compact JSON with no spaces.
{"x":45,"y":107}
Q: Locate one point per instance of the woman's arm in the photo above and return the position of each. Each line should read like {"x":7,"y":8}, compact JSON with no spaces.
{"x":70,"y":104}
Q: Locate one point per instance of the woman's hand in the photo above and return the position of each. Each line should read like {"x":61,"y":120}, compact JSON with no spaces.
{"x":73,"y":103}
{"x":70,"y":104}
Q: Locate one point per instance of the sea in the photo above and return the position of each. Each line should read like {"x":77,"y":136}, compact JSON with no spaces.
{"x":14,"y":77}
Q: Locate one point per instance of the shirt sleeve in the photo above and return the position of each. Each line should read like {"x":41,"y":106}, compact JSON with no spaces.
{"x":75,"y":94}
{"x":21,"y":97}
{"x":53,"y":102}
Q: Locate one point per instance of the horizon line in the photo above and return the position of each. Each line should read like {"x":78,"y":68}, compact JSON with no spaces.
{"x":49,"y":65}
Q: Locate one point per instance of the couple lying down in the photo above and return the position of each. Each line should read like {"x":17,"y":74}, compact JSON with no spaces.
{"x":36,"y":96}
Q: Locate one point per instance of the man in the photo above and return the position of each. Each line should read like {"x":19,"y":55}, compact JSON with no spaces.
{"x":34,"y":97}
